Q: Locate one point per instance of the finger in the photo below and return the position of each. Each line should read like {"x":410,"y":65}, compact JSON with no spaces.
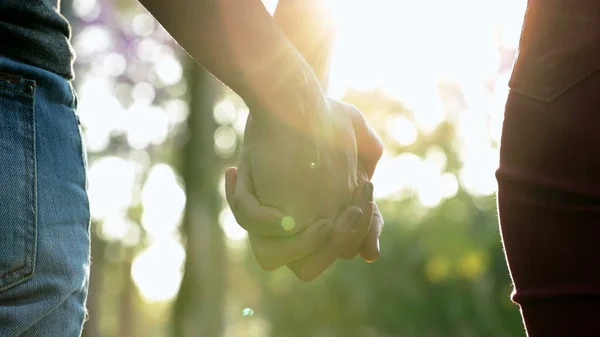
{"x":318,"y":261}
{"x":247,"y":210}
{"x":272,"y":253}
{"x":363,"y":198}
{"x":370,"y":250}
{"x":230,"y":180}
{"x":369,"y":144}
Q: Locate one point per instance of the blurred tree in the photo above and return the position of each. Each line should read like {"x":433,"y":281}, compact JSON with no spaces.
{"x":128,"y":316}
{"x":199,"y":305}
{"x":133,"y":71}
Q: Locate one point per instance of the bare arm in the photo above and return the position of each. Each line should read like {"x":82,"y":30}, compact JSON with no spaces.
{"x":239,"y":43}
{"x":308,"y":24}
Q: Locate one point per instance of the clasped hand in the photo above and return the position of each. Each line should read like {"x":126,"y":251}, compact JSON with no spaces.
{"x":304,"y":195}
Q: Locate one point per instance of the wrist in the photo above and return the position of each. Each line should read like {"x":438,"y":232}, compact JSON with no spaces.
{"x":287,"y":91}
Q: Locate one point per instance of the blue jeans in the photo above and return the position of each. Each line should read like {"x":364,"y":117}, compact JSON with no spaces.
{"x":44,"y":209}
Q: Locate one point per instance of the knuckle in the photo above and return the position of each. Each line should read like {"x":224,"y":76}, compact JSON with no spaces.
{"x":304,"y":274}
{"x":306,"y":278}
{"x":265,"y":259}
{"x":267,"y":267}
{"x":261,"y":256}
{"x":378,"y":148}
{"x":355,"y":111}
{"x":264,"y":263}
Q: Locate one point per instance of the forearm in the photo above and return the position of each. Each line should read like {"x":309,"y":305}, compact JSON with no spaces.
{"x":308,"y":24}
{"x":240,"y":44}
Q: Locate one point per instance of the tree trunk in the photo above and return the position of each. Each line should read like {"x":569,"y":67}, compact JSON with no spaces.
{"x":198,"y":308}
{"x":127,"y":317}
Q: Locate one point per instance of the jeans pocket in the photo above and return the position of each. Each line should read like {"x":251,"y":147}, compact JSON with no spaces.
{"x":18,"y":197}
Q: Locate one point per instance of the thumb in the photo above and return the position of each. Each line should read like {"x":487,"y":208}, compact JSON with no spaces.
{"x":230,"y":180}
{"x":370,"y":249}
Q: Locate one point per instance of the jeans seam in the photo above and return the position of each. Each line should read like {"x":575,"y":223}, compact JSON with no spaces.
{"x":84,"y":160}
{"x":34,"y":186}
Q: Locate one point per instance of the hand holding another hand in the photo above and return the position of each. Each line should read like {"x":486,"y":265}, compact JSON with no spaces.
{"x":327,"y":209}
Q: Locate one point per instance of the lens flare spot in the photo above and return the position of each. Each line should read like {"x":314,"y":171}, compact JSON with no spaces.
{"x":288,"y":223}
{"x":247,"y":312}
{"x":312,"y":165}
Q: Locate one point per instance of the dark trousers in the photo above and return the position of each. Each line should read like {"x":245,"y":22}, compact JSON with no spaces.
{"x":549,"y":174}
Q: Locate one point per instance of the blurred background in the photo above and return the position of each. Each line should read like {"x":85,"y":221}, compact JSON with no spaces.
{"x":168,"y":257}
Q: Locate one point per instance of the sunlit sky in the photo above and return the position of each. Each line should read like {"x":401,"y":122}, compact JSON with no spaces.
{"x":402,"y":47}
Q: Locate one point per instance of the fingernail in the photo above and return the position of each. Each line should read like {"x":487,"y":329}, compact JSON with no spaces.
{"x":376,"y":253}
{"x":353,"y":217}
{"x":367,"y":191}
{"x":373,"y":255}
